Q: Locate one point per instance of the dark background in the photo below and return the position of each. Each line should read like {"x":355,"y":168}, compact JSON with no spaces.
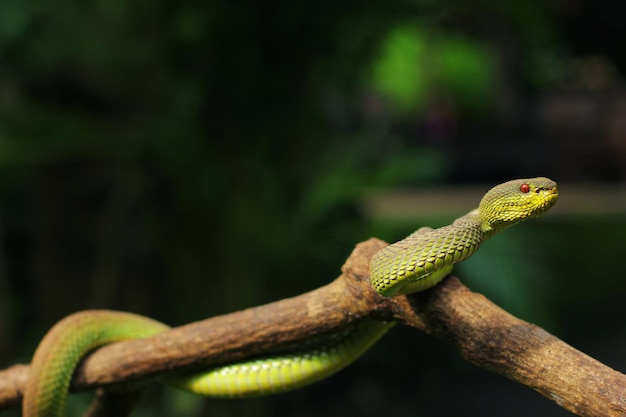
{"x":183,"y":159}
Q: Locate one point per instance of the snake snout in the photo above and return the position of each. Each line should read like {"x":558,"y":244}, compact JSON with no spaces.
{"x":551,"y":191}
{"x":547,"y":189}
{"x":549,"y":195}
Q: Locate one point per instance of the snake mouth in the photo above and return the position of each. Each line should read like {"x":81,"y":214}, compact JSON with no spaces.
{"x":552,"y":190}
{"x":551,"y":194}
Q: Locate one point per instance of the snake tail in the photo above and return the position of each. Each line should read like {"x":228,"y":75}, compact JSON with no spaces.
{"x":288,"y":371}
{"x":69,"y":340}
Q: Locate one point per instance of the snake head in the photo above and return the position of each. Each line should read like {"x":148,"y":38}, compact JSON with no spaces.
{"x":517,"y":200}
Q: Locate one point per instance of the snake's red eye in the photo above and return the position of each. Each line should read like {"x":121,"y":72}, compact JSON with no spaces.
{"x":524,"y":188}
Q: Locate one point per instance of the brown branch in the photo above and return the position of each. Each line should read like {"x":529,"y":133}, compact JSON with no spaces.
{"x":486,"y":336}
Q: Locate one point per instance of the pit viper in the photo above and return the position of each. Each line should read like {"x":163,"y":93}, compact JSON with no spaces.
{"x":413,"y":264}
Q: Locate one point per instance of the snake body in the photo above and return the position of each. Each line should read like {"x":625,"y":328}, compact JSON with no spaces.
{"x":413,"y":264}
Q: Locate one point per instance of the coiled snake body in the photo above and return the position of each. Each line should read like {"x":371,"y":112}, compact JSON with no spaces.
{"x":413,"y":264}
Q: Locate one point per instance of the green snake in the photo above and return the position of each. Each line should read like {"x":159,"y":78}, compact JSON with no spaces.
{"x":413,"y":264}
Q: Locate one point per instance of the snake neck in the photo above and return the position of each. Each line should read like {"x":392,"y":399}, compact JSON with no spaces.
{"x":486,"y":228}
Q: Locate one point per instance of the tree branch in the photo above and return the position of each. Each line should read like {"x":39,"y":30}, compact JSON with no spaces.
{"x":485,"y":335}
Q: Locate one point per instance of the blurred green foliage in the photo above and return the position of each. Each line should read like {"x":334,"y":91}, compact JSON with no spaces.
{"x":454,"y":61}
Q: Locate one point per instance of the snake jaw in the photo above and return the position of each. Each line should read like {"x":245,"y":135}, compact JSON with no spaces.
{"x":547,"y":195}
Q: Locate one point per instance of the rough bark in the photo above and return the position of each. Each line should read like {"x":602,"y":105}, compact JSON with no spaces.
{"x":485,"y":335}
